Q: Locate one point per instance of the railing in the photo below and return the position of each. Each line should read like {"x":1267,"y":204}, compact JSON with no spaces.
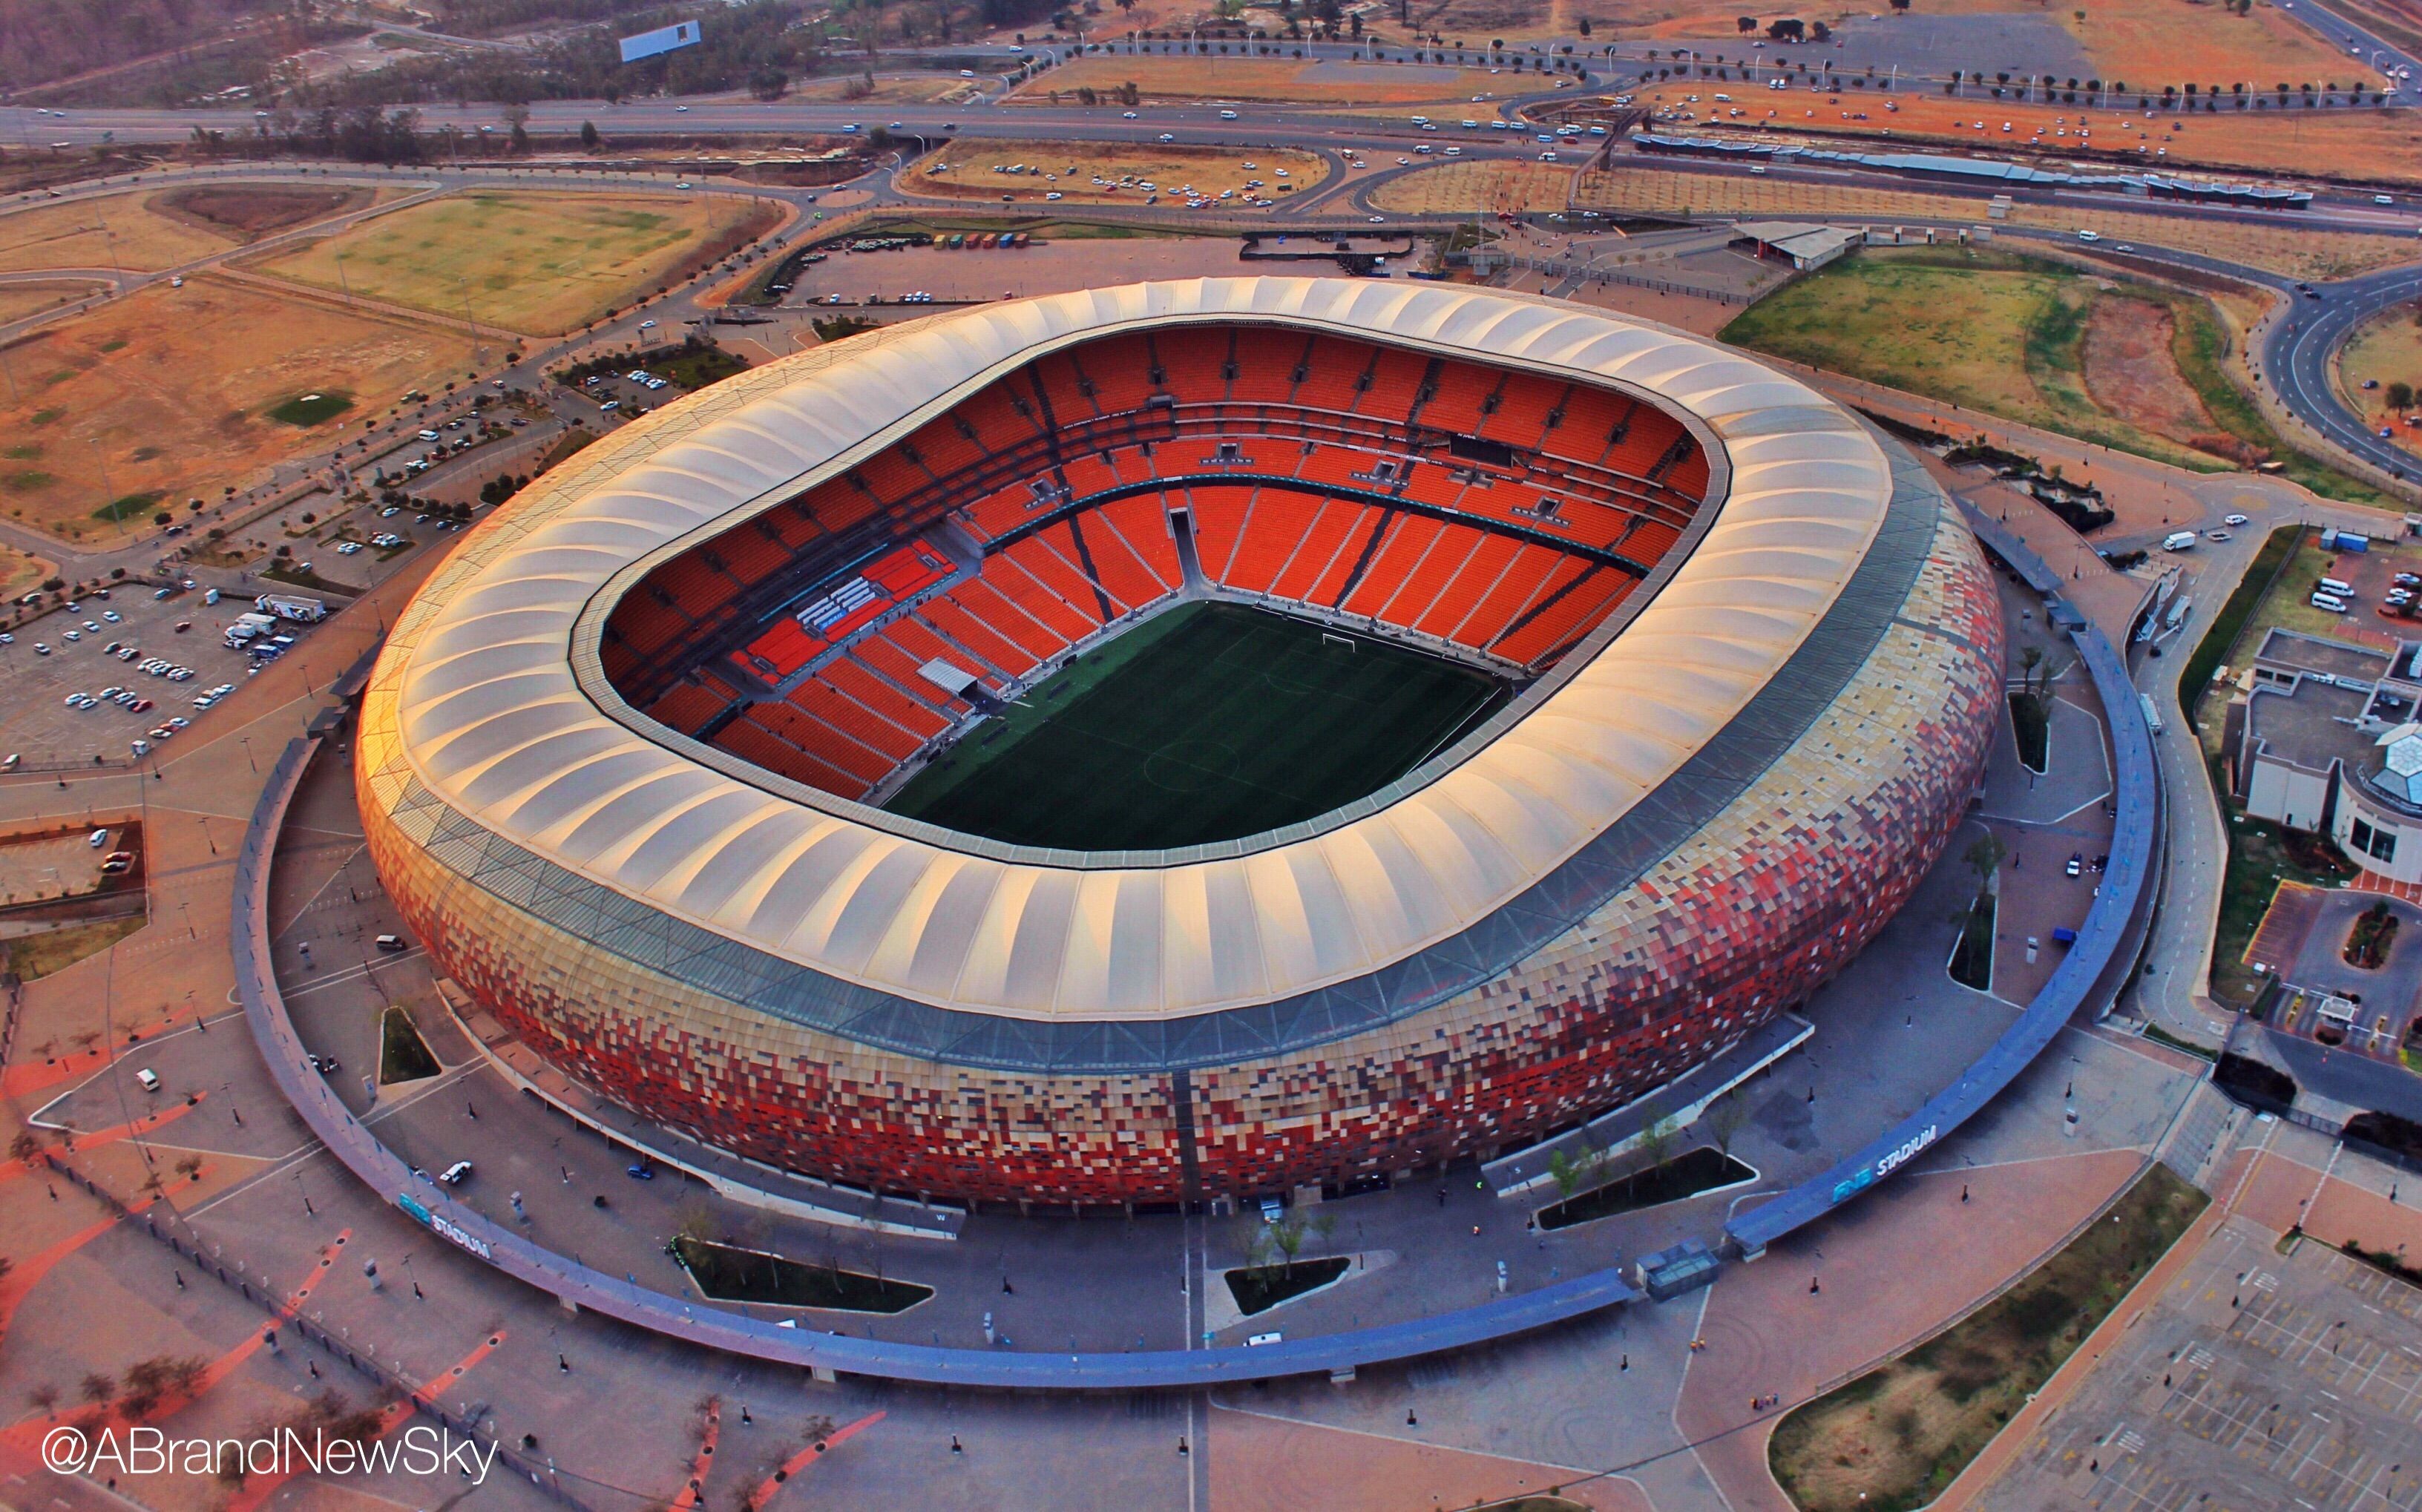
{"x":2102,"y":939}
{"x":360,"y":1360}
{"x":577,"y":1286}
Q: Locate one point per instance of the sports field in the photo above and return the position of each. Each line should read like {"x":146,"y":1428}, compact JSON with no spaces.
{"x":1209,"y":722}
{"x":111,"y":232}
{"x":530,"y":261}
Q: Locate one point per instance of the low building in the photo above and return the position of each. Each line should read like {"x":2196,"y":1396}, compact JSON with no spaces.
{"x":2325,"y":740}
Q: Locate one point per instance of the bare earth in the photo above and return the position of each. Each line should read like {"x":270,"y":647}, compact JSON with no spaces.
{"x":164,"y":390}
{"x":2130,"y":372}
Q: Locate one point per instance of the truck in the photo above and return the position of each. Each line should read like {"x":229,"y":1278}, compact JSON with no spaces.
{"x":310,"y":611}
{"x":2178,"y":541}
{"x":2152,"y":713}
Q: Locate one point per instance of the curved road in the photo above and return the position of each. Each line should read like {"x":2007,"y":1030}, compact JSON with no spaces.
{"x":2301,"y":351}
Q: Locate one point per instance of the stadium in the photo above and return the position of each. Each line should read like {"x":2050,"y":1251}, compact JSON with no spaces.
{"x":1183,"y":741}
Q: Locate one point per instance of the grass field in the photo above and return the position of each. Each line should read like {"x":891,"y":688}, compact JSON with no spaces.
{"x":167,"y":390}
{"x":31,"y":957}
{"x":17,"y":301}
{"x":2294,"y":251}
{"x":2366,"y":144}
{"x":1891,"y":1439}
{"x":1988,"y":330}
{"x":1172,"y":78}
{"x":115,"y":232}
{"x":1068,"y":169}
{"x":1209,"y":722}
{"x":531,"y":262}
{"x":2386,"y":349}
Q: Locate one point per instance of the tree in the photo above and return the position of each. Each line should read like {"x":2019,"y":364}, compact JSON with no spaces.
{"x":1725,"y":1118}
{"x":45,"y":1398}
{"x":1655,"y":1143}
{"x":2400,"y":395}
{"x":1984,"y":857}
{"x":1745,"y":24}
{"x":97,"y":1388}
{"x":1819,"y":31}
{"x":589,"y":137}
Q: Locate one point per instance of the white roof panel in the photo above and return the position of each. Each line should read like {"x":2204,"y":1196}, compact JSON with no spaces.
{"x":489,"y":689}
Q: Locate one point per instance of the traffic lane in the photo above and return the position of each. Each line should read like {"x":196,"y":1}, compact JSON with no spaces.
{"x":2301,"y":351}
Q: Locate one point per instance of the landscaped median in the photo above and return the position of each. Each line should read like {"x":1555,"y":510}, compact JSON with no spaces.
{"x":1898,"y":1436}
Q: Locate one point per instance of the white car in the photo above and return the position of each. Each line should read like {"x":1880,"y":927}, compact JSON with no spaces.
{"x":1128,"y":114}
{"x":347,"y":548}
{"x":2234,"y":519}
{"x":647,"y":325}
{"x":1169,"y":137}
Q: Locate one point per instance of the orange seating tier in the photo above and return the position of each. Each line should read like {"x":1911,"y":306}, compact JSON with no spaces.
{"x":1050,"y":556}
{"x":983,"y":639}
{"x":1410,"y":538}
{"x":987,"y":603}
{"x":829,"y":706}
{"x":865,"y":687}
{"x":1009,"y":577}
{"x":1142,"y":523}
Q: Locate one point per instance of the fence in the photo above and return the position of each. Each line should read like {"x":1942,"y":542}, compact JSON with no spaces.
{"x":2103,"y":940}
{"x":1481,"y":261}
{"x":338,"y":1347}
{"x":578,"y":1286}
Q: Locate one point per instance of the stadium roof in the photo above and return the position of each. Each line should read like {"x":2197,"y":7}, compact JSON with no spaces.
{"x":491,"y":694}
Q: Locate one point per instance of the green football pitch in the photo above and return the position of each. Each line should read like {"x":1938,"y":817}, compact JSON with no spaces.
{"x":1209,"y":722}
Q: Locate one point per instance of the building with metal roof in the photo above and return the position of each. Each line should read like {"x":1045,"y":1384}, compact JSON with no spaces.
{"x":625,"y":759}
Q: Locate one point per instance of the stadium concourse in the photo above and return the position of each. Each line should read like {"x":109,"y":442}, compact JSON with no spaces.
{"x":854,"y":766}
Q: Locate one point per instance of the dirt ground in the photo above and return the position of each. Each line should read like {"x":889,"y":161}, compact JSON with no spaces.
{"x":164,"y":391}
{"x":890,"y":89}
{"x":20,"y":570}
{"x":1279,"y":1464}
{"x":120,"y":230}
{"x":2386,"y":349}
{"x":17,"y":301}
{"x":2146,"y":42}
{"x":1170,"y":78}
{"x":526,"y":261}
{"x":2288,"y":250}
{"x":1462,"y":188}
{"x":967,"y":169}
{"x":2368,"y":145}
{"x":251,"y":211}
{"x":2130,"y":372}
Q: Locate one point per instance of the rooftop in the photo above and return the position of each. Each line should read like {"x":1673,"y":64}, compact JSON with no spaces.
{"x":2295,"y":650}
{"x":2308,"y":726}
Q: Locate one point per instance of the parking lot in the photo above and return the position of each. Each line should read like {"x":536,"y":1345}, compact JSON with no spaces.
{"x":46,"y":732}
{"x":2283,"y":1382}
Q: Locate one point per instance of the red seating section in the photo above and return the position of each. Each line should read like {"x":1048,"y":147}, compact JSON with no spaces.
{"x":1495,"y":554}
